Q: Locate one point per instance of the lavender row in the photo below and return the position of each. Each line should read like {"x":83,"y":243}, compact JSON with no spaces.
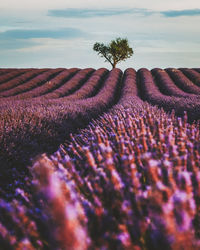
{"x":5,"y":71}
{"x":10,"y":75}
{"x":104,"y":99}
{"x":152,"y":94}
{"x":182,"y":81}
{"x":197,"y":69}
{"x":8,"y":87}
{"x":167,"y":85}
{"x":107,"y":95}
{"x":70,"y":86}
{"x":48,"y":86}
{"x":130,"y":83}
{"x":193,"y":75}
{"x":90,"y":87}
{"x":38,"y":80}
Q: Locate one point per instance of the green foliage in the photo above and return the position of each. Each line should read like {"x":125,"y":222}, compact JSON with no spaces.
{"x":116,"y":51}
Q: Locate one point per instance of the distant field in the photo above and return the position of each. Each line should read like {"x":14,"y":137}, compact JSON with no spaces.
{"x":99,"y":159}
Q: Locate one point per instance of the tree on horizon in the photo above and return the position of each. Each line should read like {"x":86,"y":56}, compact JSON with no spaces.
{"x":116,"y":51}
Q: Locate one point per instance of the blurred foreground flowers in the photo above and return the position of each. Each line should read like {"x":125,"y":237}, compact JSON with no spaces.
{"x":129,"y":181}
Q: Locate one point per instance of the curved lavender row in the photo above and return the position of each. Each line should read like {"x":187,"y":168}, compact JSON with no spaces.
{"x":48,"y":86}
{"x":148,"y":88}
{"x":107,"y":94}
{"x":130,"y":84}
{"x":167,"y":85}
{"x":90,"y":87}
{"x":152,"y":94}
{"x":10,"y":85}
{"x":33,"y":82}
{"x":10,"y":75}
{"x":193,"y":75}
{"x":182,"y":81}
{"x":197,"y":69}
{"x":70,"y":86}
{"x":129,"y":93}
{"x":5,"y":71}
{"x":105,"y":98}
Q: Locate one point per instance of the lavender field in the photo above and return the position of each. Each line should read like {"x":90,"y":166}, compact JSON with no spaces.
{"x":99,"y":159}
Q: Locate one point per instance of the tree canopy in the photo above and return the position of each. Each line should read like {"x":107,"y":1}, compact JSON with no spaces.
{"x":116,"y":51}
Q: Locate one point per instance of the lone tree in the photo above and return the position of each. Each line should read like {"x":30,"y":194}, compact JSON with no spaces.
{"x":116,"y":51}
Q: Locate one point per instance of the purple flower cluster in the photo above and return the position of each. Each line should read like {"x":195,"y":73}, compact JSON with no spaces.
{"x":140,"y":172}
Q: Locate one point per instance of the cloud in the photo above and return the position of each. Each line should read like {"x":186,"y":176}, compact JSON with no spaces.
{"x":8,"y":44}
{"x":178,"y":13}
{"x":88,"y":13}
{"x":41,"y":33}
{"x":26,"y":38}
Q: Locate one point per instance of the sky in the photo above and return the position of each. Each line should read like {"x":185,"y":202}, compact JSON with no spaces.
{"x":61,"y":33}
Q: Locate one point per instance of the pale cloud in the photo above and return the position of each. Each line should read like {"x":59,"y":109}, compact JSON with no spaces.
{"x":41,"y":33}
{"x":9,"y":45}
{"x":178,"y":13}
{"x":91,"y":13}
{"x":14,"y":39}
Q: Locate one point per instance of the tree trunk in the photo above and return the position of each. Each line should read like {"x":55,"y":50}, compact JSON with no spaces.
{"x":114,"y":65}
